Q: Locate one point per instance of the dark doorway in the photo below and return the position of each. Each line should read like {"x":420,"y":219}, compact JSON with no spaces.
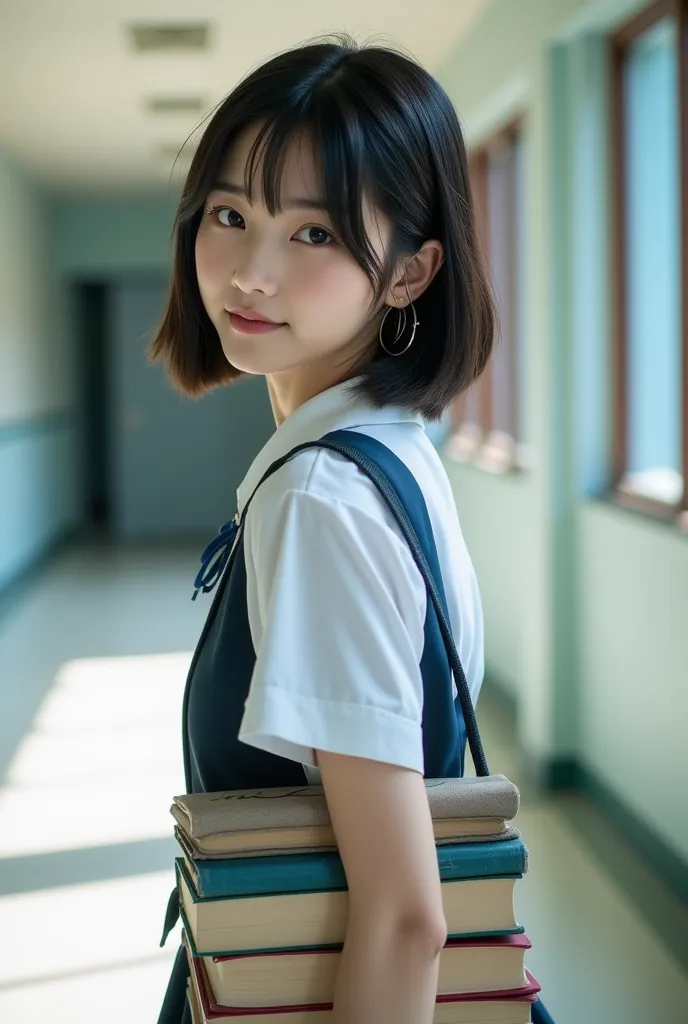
{"x":92,"y":317}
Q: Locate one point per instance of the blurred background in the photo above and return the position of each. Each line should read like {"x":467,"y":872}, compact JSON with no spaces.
{"x":569,"y":462}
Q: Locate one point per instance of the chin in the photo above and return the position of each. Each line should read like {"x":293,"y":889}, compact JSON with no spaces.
{"x":258,"y":360}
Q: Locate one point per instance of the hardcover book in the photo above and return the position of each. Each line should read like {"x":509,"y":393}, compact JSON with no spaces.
{"x":319,"y":869}
{"x":251,"y":924}
{"x":265,"y":820}
{"x":307,"y":977}
{"x":508,"y":1007}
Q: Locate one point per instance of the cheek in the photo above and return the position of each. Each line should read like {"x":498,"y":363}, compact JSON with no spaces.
{"x":337,"y":286}
{"x":211,"y":263}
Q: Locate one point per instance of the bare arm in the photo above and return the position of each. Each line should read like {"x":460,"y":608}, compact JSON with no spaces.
{"x":390,"y":962}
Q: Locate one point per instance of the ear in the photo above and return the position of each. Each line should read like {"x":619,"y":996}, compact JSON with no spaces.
{"x":415,"y":274}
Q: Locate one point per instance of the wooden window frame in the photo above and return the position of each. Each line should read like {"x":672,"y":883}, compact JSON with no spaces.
{"x":467,"y":443}
{"x":620,"y":42}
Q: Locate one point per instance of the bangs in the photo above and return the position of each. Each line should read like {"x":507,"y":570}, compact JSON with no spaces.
{"x":346,"y":170}
{"x":347,"y":179}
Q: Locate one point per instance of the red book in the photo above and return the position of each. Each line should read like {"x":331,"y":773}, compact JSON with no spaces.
{"x":505,"y":1007}
{"x":308,"y":976}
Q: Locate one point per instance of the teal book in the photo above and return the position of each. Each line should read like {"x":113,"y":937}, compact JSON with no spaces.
{"x":319,"y":871}
{"x":243,"y":924}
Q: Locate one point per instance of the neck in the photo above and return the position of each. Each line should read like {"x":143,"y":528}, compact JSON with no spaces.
{"x":291,"y":389}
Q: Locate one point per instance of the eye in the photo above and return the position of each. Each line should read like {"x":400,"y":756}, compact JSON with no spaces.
{"x":314,"y":236}
{"x":227,"y":216}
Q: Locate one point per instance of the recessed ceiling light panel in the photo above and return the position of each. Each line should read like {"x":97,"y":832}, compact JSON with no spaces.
{"x":176,"y":104}
{"x":170,"y":37}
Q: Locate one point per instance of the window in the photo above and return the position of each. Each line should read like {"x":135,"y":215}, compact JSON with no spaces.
{"x":485,"y":421}
{"x":650,"y":154}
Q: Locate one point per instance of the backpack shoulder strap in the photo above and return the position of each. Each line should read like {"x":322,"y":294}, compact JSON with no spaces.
{"x":347,"y":443}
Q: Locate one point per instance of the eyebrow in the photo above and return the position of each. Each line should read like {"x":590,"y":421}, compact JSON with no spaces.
{"x":294,"y":203}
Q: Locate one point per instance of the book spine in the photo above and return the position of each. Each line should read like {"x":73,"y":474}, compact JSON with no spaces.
{"x":324,"y":871}
{"x":260,"y":875}
{"x":482,"y":860}
{"x":192,"y":867}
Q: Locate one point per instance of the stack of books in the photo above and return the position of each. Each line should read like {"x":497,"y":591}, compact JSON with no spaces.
{"x":263,"y":899}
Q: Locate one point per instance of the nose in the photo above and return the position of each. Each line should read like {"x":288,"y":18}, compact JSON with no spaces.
{"x":255,"y":271}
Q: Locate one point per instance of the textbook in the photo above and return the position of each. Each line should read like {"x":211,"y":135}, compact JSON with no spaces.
{"x":271,"y":922}
{"x":320,"y":870}
{"x":307,"y":977}
{"x":507,"y":1007}
{"x":263,"y":821}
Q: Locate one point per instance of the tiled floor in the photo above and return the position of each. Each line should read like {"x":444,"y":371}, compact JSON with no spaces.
{"x":93,"y":655}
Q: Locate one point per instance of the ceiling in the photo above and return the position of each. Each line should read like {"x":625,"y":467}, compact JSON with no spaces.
{"x":75,"y":95}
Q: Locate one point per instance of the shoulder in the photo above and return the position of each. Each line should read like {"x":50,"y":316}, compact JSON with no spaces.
{"x":325,"y":480}
{"x":327,"y":519}
{"x":317,"y":478}
{"x":318,"y":517}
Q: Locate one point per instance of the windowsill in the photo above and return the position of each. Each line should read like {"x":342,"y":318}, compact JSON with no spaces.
{"x":650,"y":508}
{"x":497,"y":454}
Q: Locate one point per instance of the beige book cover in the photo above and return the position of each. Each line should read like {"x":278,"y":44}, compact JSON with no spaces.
{"x":224,"y":846}
{"x":297,"y":817}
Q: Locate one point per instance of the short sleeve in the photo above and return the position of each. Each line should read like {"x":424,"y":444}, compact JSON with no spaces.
{"x":337,"y":610}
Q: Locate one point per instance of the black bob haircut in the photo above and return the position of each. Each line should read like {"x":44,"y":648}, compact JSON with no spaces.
{"x":384,"y":129}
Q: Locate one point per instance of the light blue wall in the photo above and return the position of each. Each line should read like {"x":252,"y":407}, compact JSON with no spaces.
{"x":175,"y":464}
{"x":108,"y":236}
{"x":107,"y":239}
{"x":46,"y":244}
{"x":38,"y":490}
{"x":39,"y":484}
{"x":654,"y":253}
{"x":127,"y":244}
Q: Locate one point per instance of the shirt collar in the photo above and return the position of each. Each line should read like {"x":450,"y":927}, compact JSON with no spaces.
{"x":334,"y":409}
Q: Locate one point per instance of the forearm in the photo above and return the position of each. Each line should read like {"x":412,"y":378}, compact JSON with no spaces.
{"x":388,"y":973}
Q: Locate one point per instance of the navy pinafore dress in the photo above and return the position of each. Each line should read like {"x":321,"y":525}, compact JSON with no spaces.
{"x":222,"y":666}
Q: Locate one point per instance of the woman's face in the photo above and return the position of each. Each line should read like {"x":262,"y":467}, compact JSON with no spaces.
{"x":288,"y":269}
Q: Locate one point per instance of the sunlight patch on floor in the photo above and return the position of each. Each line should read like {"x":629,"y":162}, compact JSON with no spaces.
{"x":98,"y":767}
{"x":76,"y":929}
{"x":102,"y":760}
{"x":86,"y":952}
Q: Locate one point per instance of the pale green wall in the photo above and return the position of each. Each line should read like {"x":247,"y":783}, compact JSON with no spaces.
{"x":38,"y":489}
{"x":586,"y":606}
{"x":498,"y":72}
{"x":634,"y":664}
{"x":495,"y":518}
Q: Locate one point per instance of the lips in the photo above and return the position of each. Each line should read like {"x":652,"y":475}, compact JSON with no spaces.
{"x":247,"y":321}
{"x":251,"y":314}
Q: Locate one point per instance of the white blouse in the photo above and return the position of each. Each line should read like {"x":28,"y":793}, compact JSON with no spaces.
{"x":336,"y":603}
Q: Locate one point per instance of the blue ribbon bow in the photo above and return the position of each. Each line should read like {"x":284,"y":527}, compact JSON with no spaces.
{"x":215,"y":557}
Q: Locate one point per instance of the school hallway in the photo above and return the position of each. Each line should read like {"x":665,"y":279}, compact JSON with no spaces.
{"x":567,"y":460}
{"x":94,"y":650}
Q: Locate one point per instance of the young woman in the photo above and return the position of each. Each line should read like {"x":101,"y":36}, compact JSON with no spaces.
{"x":325,"y":240}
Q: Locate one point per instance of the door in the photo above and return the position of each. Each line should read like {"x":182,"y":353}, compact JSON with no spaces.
{"x":175,"y":462}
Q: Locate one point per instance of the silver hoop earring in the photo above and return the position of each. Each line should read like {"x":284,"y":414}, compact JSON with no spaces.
{"x":401,"y":328}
